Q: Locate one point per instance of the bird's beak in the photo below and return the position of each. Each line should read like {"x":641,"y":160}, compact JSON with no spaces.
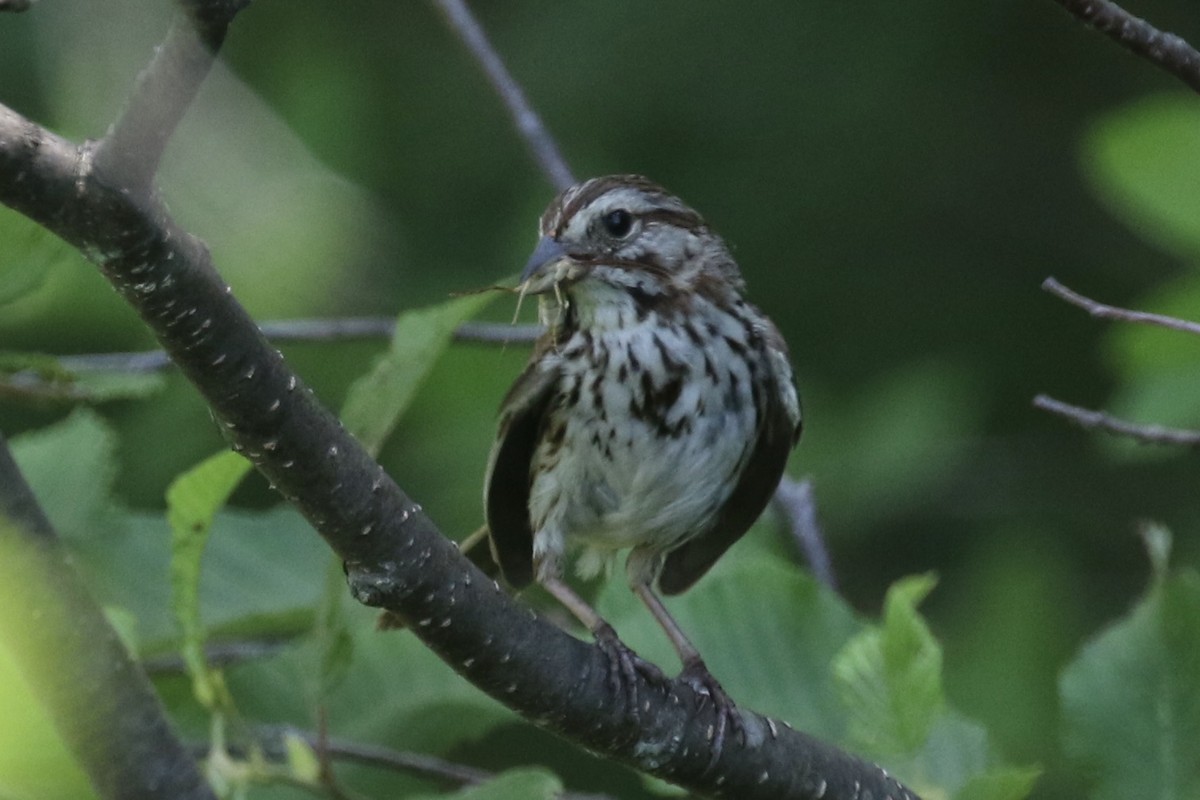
{"x":547,"y":253}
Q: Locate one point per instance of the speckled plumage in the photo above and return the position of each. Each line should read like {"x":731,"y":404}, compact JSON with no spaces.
{"x":656,"y":413}
{"x":656,"y":395}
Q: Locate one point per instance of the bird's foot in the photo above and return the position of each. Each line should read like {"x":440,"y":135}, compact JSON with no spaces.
{"x":728,"y":719}
{"x":625,"y":666}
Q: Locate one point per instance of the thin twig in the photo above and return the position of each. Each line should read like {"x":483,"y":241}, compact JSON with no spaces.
{"x":542,"y":145}
{"x":1098,"y":420}
{"x":798,"y":502}
{"x":496,"y":333}
{"x":16,"y":5}
{"x":307,"y":331}
{"x":1102,"y":311}
{"x":31,"y":385}
{"x":1166,"y":50}
{"x":216,"y":654}
{"x":421,"y":764}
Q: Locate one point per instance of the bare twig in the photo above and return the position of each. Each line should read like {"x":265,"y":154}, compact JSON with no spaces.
{"x":297,"y":331}
{"x":1102,"y":311}
{"x":420,"y":764}
{"x":797,"y":501}
{"x":542,"y":145}
{"x":1098,"y":420}
{"x":1166,"y":50}
{"x":16,"y":5}
{"x":338,"y":329}
{"x":216,"y":654}
{"x":496,"y":333}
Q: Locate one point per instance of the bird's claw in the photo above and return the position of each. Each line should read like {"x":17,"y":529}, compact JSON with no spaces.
{"x":708,"y":689}
{"x":625,"y":666}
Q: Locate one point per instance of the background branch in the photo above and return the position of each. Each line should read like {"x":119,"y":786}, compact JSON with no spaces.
{"x":310,"y":331}
{"x":1102,"y":311}
{"x":798,"y":503}
{"x":394,"y":760}
{"x":529,"y":125}
{"x":1166,"y":50}
{"x":98,"y":698}
{"x":1098,"y":420}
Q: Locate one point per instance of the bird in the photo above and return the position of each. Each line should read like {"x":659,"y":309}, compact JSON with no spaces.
{"x":656,"y":414}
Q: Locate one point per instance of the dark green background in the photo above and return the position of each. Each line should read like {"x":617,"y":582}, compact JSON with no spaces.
{"x":896,"y":179}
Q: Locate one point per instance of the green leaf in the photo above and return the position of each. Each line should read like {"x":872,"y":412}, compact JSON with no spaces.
{"x":1135,"y":352}
{"x":1141,"y":160}
{"x":256,"y":582}
{"x":71,"y":466}
{"x":426,"y":707}
{"x":1008,"y":783}
{"x":767,"y":631}
{"x":1131,"y":698}
{"x":302,"y":761}
{"x":784,"y":645}
{"x":375,"y":402}
{"x":955,"y":750}
{"x":35,"y":763}
{"x":193,"y":499}
{"x":332,"y":633}
{"x":890,"y":677}
{"x":29,"y":253}
{"x":1156,"y":368}
{"x":516,"y":784}
{"x":660,"y":788}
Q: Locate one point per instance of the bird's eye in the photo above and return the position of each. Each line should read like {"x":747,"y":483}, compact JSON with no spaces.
{"x":618,"y":223}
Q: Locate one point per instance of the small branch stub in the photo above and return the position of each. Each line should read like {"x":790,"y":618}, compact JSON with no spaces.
{"x":1102,"y":311}
{"x":1098,"y":420}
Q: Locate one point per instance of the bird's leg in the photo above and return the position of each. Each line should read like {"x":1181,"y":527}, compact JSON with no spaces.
{"x":695,"y":671}
{"x":624,"y":664}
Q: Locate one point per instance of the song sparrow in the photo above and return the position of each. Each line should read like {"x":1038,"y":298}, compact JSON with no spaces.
{"x":656,"y":413}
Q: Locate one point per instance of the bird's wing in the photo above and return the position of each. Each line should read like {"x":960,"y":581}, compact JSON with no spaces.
{"x":778,"y":432}
{"x":506,"y":487}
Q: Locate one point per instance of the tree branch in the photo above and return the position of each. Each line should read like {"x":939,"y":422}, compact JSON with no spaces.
{"x":1165,"y":50}
{"x":1098,"y":420}
{"x":98,"y":698}
{"x":395,"y":557}
{"x":529,"y":125}
{"x":1102,"y":311}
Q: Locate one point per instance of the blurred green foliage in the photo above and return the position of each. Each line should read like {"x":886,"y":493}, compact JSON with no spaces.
{"x":897,"y":179}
